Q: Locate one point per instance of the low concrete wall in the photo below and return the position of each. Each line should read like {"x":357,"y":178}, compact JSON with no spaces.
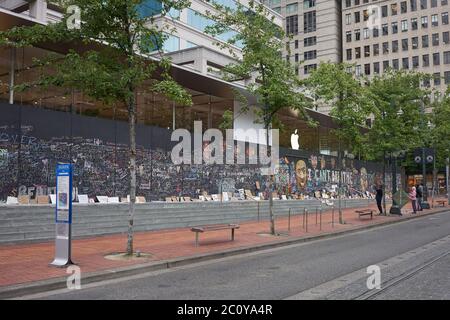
{"x":22,"y":223}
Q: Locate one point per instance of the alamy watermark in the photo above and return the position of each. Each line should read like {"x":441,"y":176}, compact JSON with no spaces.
{"x":374,"y":280}
{"x":211,"y":148}
{"x":74,"y":280}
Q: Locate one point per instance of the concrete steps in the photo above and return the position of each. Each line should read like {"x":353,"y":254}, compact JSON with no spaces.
{"x":33,"y":223}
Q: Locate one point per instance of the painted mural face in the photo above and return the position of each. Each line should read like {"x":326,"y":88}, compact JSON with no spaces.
{"x":300,"y":173}
{"x":323,"y":163}
{"x":314,"y":162}
{"x":364,"y":183}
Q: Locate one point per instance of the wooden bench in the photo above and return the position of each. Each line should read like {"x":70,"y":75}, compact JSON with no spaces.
{"x":441,"y":202}
{"x":203,"y":229}
{"x":366,"y":212}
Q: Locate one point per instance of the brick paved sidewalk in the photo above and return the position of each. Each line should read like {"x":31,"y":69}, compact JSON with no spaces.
{"x":30,"y":262}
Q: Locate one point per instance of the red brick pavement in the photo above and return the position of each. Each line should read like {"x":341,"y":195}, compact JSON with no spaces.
{"x":30,"y":262}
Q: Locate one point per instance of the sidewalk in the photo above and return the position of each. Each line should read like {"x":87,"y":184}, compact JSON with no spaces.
{"x":27,"y":263}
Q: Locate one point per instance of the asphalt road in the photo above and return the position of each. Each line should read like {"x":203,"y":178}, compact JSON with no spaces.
{"x":284,"y":272}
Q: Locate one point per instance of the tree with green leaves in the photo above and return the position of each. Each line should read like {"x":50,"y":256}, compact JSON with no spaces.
{"x":273,"y":80}
{"x":335,"y":85}
{"x":440,"y":133}
{"x":110,"y":60}
{"x":398,"y":120}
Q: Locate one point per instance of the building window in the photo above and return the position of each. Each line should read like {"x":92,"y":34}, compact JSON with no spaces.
{"x":404,"y":25}
{"x":309,"y":19}
{"x":415,"y":62}
{"x":405,"y":44}
{"x":405,"y":63}
{"x":384,"y":11}
{"x":348,"y":36}
{"x":447,"y":57}
{"x":291,"y":8}
{"x":423,"y":4}
{"x":376,"y":49}
{"x":376,"y":32}
{"x":395,"y":46}
{"x":349,"y":54}
{"x":366,"y":33}
{"x":425,"y":60}
{"x":413,"y":5}
{"x":309,"y":4}
{"x":437,"y":79}
{"x":385,"y":65}
{"x":385,"y":47}
{"x":394,"y":27}
{"x":415,"y":42}
{"x":434,"y":20}
{"x":367,"y":69}
{"x":357,"y":53}
{"x":376,"y":67}
{"x":348,"y":19}
{"x":385,"y":29}
{"x":434,"y":3}
{"x":357,"y":35}
{"x":358,"y":71}
{"x":292,"y":25}
{"x":311,"y":41}
{"x":394,"y":9}
{"x":309,"y":68}
{"x":366,"y":51}
{"x":425,"y":42}
{"x":357,"y":17}
{"x":310,"y":55}
{"x":445,"y":18}
{"x":414,"y":25}
{"x":446,"y":37}
{"x":435,"y":39}
{"x":403,"y":7}
{"x":296,"y":44}
{"x":436,"y":59}
{"x":424,"y":21}
{"x":395,"y":64}
{"x":447,"y":77}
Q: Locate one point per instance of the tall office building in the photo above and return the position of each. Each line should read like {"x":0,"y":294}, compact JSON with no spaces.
{"x":315,"y":29}
{"x":410,"y":34}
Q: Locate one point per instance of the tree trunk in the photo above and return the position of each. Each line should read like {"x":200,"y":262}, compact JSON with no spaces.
{"x":384,"y":183}
{"x":132,"y":129}
{"x":269,"y":186}
{"x":341,"y":220}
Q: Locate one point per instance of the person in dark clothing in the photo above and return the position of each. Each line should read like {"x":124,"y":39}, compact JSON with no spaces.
{"x":419,"y":192}
{"x":379,"y":196}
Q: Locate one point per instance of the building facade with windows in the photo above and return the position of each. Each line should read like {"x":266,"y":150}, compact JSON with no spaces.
{"x":314,"y":27}
{"x":409,"y":34}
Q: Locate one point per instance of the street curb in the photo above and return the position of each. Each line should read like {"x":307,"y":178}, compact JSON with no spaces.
{"x":18,"y":290}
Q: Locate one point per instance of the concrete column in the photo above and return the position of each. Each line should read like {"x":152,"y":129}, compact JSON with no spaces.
{"x":12,"y":74}
{"x":38,"y":10}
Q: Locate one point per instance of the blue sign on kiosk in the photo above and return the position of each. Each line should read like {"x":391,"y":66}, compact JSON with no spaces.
{"x":63,"y":215}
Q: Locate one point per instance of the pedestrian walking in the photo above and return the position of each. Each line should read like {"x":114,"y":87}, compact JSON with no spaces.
{"x":413,"y":197}
{"x":419,"y":191}
{"x":379,"y":196}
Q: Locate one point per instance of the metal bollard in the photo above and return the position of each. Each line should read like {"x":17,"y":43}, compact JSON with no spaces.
{"x":306,"y":226}
{"x":317,"y":212}
{"x":289,"y":220}
{"x":304,"y":215}
{"x":332,"y":217}
{"x":258,"y":211}
{"x":320,"y":219}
